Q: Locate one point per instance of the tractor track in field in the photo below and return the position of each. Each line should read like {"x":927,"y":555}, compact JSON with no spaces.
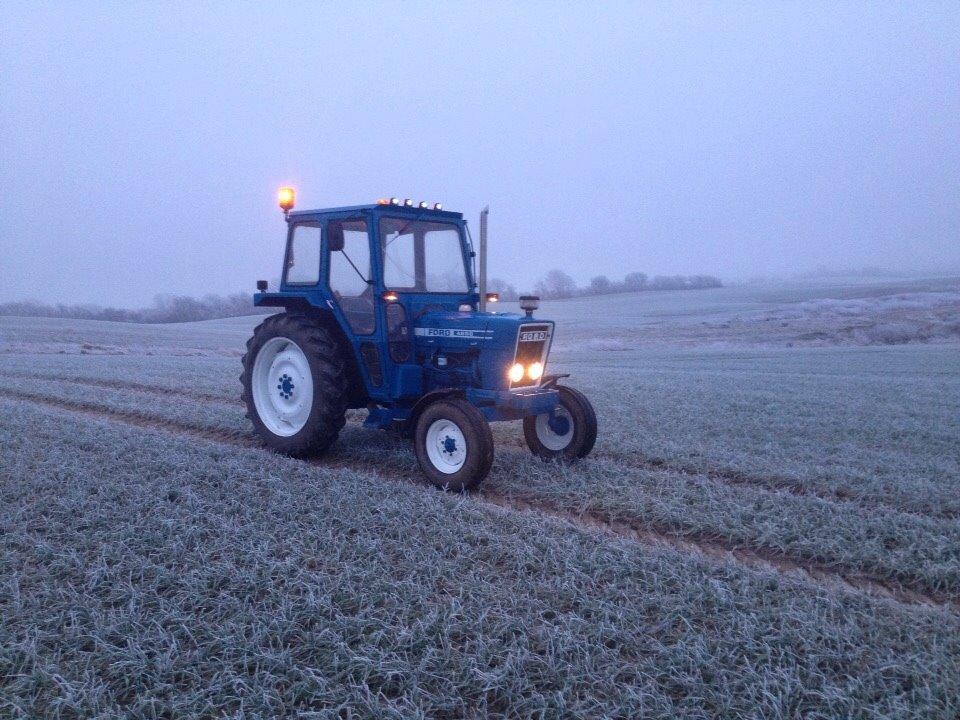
{"x":702,"y":547}
{"x":770,"y":484}
{"x":729,"y":476}
{"x":138,"y":387}
{"x":132,"y":417}
{"x":715,"y":549}
{"x":725,"y":476}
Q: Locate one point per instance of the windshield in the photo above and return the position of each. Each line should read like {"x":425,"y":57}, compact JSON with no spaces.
{"x":422,"y":256}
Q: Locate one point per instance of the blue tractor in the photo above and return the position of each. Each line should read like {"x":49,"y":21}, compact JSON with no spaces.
{"x":383,"y":310}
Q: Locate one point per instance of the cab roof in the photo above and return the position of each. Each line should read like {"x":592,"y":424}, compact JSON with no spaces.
{"x":376,"y":207}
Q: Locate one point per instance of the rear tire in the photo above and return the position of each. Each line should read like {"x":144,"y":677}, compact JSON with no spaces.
{"x":453,"y":444}
{"x":568,"y":433}
{"x":295,"y":385}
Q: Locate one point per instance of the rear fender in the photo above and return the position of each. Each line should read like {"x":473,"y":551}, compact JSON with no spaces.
{"x":292,"y":302}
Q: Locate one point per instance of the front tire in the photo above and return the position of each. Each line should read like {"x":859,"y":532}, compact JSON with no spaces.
{"x":295,"y":385}
{"x":453,"y":444}
{"x":568,"y":433}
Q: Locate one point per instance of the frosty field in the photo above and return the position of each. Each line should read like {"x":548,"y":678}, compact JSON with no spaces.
{"x":769,"y":527}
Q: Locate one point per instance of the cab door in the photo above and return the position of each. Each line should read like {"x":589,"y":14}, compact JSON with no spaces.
{"x":349,"y":278}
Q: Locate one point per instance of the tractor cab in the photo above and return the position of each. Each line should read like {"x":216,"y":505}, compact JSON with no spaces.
{"x":394,"y":289}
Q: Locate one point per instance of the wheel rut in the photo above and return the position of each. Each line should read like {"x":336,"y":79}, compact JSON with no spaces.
{"x":727,"y":476}
{"x":736,"y":478}
{"x":136,"y":386}
{"x":709,"y":549}
{"x":717,"y":550}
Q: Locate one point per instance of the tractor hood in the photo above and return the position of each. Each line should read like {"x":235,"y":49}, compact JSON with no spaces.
{"x":489,"y":343}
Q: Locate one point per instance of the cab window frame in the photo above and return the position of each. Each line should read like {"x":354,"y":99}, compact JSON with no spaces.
{"x":326,"y":258}
{"x":465,"y":250}
{"x":291,"y":233}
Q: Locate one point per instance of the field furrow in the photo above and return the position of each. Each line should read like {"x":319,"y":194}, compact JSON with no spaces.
{"x":729,"y":476}
{"x":123,"y":386}
{"x":581,"y":515}
{"x":876,"y":427}
{"x":793,"y":486}
{"x":757,"y":456}
{"x":214,"y":378}
{"x":635,"y":461}
{"x":712,"y":549}
{"x":133,"y":560}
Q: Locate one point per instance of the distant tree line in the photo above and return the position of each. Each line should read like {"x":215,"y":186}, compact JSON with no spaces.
{"x":557,"y":284}
{"x":182,"y":308}
{"x":165,"y":309}
{"x":506,"y":291}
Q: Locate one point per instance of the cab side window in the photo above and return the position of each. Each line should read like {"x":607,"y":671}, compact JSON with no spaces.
{"x":349,"y":276}
{"x":303,"y":255}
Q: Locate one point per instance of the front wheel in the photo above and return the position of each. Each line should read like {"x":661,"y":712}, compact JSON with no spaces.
{"x":453,"y":444}
{"x":567,"y":433}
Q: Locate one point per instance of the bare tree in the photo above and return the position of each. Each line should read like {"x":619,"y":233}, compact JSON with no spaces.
{"x":166,"y":308}
{"x":600,"y":285}
{"x":506,"y":291}
{"x":557,"y":284}
{"x":635,"y":281}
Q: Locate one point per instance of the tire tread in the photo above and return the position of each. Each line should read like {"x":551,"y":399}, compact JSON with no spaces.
{"x":328,"y":368}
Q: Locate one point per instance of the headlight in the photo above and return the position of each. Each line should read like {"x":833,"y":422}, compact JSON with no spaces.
{"x":535,"y":371}
{"x":516,"y":373}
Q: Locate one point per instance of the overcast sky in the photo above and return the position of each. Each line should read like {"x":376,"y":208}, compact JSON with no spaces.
{"x":141,"y":144}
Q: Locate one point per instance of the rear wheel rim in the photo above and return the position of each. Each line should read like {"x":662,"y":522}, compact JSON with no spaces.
{"x":282,"y":386}
{"x":551,"y":439}
{"x":446,"y":446}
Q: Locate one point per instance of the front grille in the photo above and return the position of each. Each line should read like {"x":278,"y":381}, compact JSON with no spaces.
{"x":533,"y":342}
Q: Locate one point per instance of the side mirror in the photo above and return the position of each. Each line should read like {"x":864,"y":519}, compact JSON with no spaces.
{"x":262,"y":285}
{"x":335,"y":237}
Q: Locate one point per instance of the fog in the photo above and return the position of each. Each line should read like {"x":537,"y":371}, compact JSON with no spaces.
{"x":141,"y":145}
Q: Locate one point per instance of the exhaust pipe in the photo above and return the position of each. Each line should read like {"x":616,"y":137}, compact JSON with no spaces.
{"x":483,"y":258}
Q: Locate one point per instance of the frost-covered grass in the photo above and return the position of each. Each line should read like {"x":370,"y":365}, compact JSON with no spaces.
{"x":208,"y":338}
{"x":863,"y":440}
{"x":775,"y":315}
{"x":200,"y":376}
{"x":877,"y":425}
{"x":144,"y":575}
{"x":199,"y":413}
{"x":216,"y":579}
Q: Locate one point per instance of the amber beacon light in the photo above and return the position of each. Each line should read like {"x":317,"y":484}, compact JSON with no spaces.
{"x":286,"y":197}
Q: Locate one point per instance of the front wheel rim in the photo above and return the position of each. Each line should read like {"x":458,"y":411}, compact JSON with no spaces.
{"x":546,"y":434}
{"x":282,"y":386}
{"x":446,"y":446}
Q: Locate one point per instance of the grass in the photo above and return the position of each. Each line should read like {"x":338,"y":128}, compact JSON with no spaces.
{"x":884,"y":527}
{"x":151,"y":574}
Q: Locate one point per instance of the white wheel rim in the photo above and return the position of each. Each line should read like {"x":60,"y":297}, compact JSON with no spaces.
{"x":546,"y":435}
{"x":282,"y":386}
{"x":446,"y":446}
